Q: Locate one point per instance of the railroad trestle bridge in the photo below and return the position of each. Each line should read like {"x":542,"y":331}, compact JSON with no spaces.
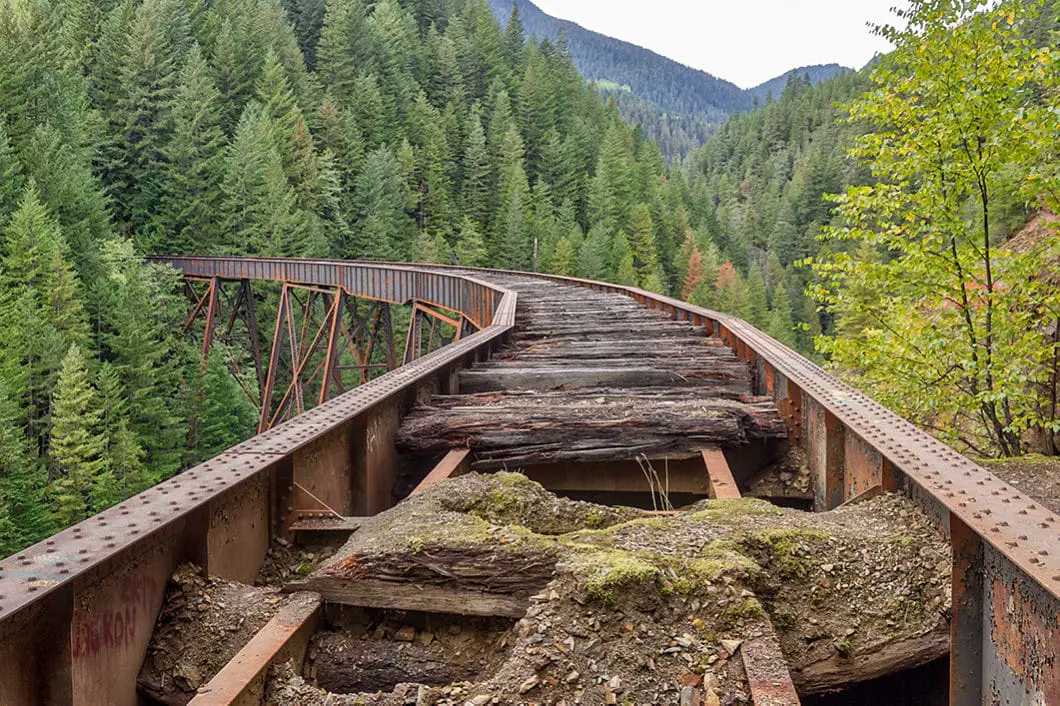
{"x":343,"y":432}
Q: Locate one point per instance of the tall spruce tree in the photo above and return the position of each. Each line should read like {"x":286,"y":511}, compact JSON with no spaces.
{"x":191,"y":190}
{"x":77,"y":444}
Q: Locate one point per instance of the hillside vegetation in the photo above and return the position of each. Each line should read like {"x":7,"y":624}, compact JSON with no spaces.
{"x":676,"y":106}
{"x":422,"y":130}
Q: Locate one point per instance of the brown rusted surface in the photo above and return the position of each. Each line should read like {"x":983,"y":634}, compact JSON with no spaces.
{"x":677,"y":475}
{"x":1024,"y":634}
{"x":239,"y":531}
{"x":375,"y":459}
{"x":825,"y":446}
{"x":455,"y":463}
{"x":112,"y":623}
{"x":722,"y":484}
{"x":241,"y":682}
{"x":323,"y":469}
{"x":863,"y":466}
{"x":767,"y":670}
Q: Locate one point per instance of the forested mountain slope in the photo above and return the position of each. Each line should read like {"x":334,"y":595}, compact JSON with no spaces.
{"x":812,"y":74}
{"x":668,"y":84}
{"x":677,"y":106}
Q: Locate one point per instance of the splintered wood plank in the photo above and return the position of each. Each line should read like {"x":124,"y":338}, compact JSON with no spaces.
{"x":286,"y":636}
{"x":393,"y":595}
{"x":722,"y":484}
{"x":767,"y":670}
{"x":455,"y":463}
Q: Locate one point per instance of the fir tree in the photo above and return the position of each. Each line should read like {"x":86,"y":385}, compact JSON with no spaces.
{"x":192,"y":197}
{"x":24,"y":516}
{"x":11,"y":177}
{"x":564,"y":261}
{"x":470,"y":245}
{"x":781,"y":326}
{"x":476,"y":164}
{"x":147,"y":354}
{"x":77,"y":444}
{"x":642,"y":245}
{"x":226,"y":415}
{"x":384,"y":231}
{"x":345,"y":50}
{"x":757,"y":303}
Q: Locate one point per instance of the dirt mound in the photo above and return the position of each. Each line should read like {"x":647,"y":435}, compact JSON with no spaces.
{"x":203,"y":624}
{"x":642,"y":608}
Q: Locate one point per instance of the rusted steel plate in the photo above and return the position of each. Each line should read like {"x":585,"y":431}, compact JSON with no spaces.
{"x":767,"y":671}
{"x":455,"y":463}
{"x":722,"y":484}
{"x":285,"y":637}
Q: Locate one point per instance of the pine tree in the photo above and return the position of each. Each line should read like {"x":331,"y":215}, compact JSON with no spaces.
{"x":260,"y":209}
{"x":624,"y":264}
{"x":514,"y":41}
{"x":345,"y":49}
{"x":611,"y":193}
{"x":470,"y":245}
{"x":191,"y":194}
{"x":757,"y":303}
{"x":40,"y":303}
{"x":11,"y":177}
{"x":24,"y":516}
{"x":781,"y":326}
{"x":384,"y":231}
{"x":147,"y":353}
{"x":594,"y":256}
{"x":77,"y":444}
{"x":642,"y":245}
{"x":292,"y":137}
{"x":564,"y":261}
{"x":236,"y":61}
{"x":226,"y":416}
{"x":731,"y":295}
{"x":477,"y":172}
{"x":150,"y":70}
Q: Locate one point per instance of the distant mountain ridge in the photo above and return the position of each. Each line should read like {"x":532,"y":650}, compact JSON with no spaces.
{"x":816,"y":74}
{"x":666,"y":83}
{"x":694,"y":98}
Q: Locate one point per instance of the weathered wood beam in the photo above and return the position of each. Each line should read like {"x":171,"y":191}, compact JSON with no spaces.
{"x":455,"y":463}
{"x":393,"y":595}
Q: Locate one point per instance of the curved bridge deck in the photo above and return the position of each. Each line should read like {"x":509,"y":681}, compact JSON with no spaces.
{"x":591,"y":377}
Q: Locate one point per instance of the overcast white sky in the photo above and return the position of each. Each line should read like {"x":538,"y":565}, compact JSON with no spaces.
{"x":744,"y":41}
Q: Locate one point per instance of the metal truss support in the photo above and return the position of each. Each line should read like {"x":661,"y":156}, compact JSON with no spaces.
{"x":443,"y":329}
{"x":321,"y":335}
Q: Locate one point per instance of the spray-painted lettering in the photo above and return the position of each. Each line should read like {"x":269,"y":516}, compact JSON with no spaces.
{"x":114,"y":627}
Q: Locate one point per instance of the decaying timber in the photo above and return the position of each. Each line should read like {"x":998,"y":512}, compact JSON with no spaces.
{"x":608,"y":424}
{"x":658,"y":600}
{"x":591,"y":377}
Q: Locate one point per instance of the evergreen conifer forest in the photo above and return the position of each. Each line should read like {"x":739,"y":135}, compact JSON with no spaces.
{"x":420,"y":130}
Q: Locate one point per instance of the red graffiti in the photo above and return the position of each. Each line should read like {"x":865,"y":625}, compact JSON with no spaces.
{"x":114,"y":628}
